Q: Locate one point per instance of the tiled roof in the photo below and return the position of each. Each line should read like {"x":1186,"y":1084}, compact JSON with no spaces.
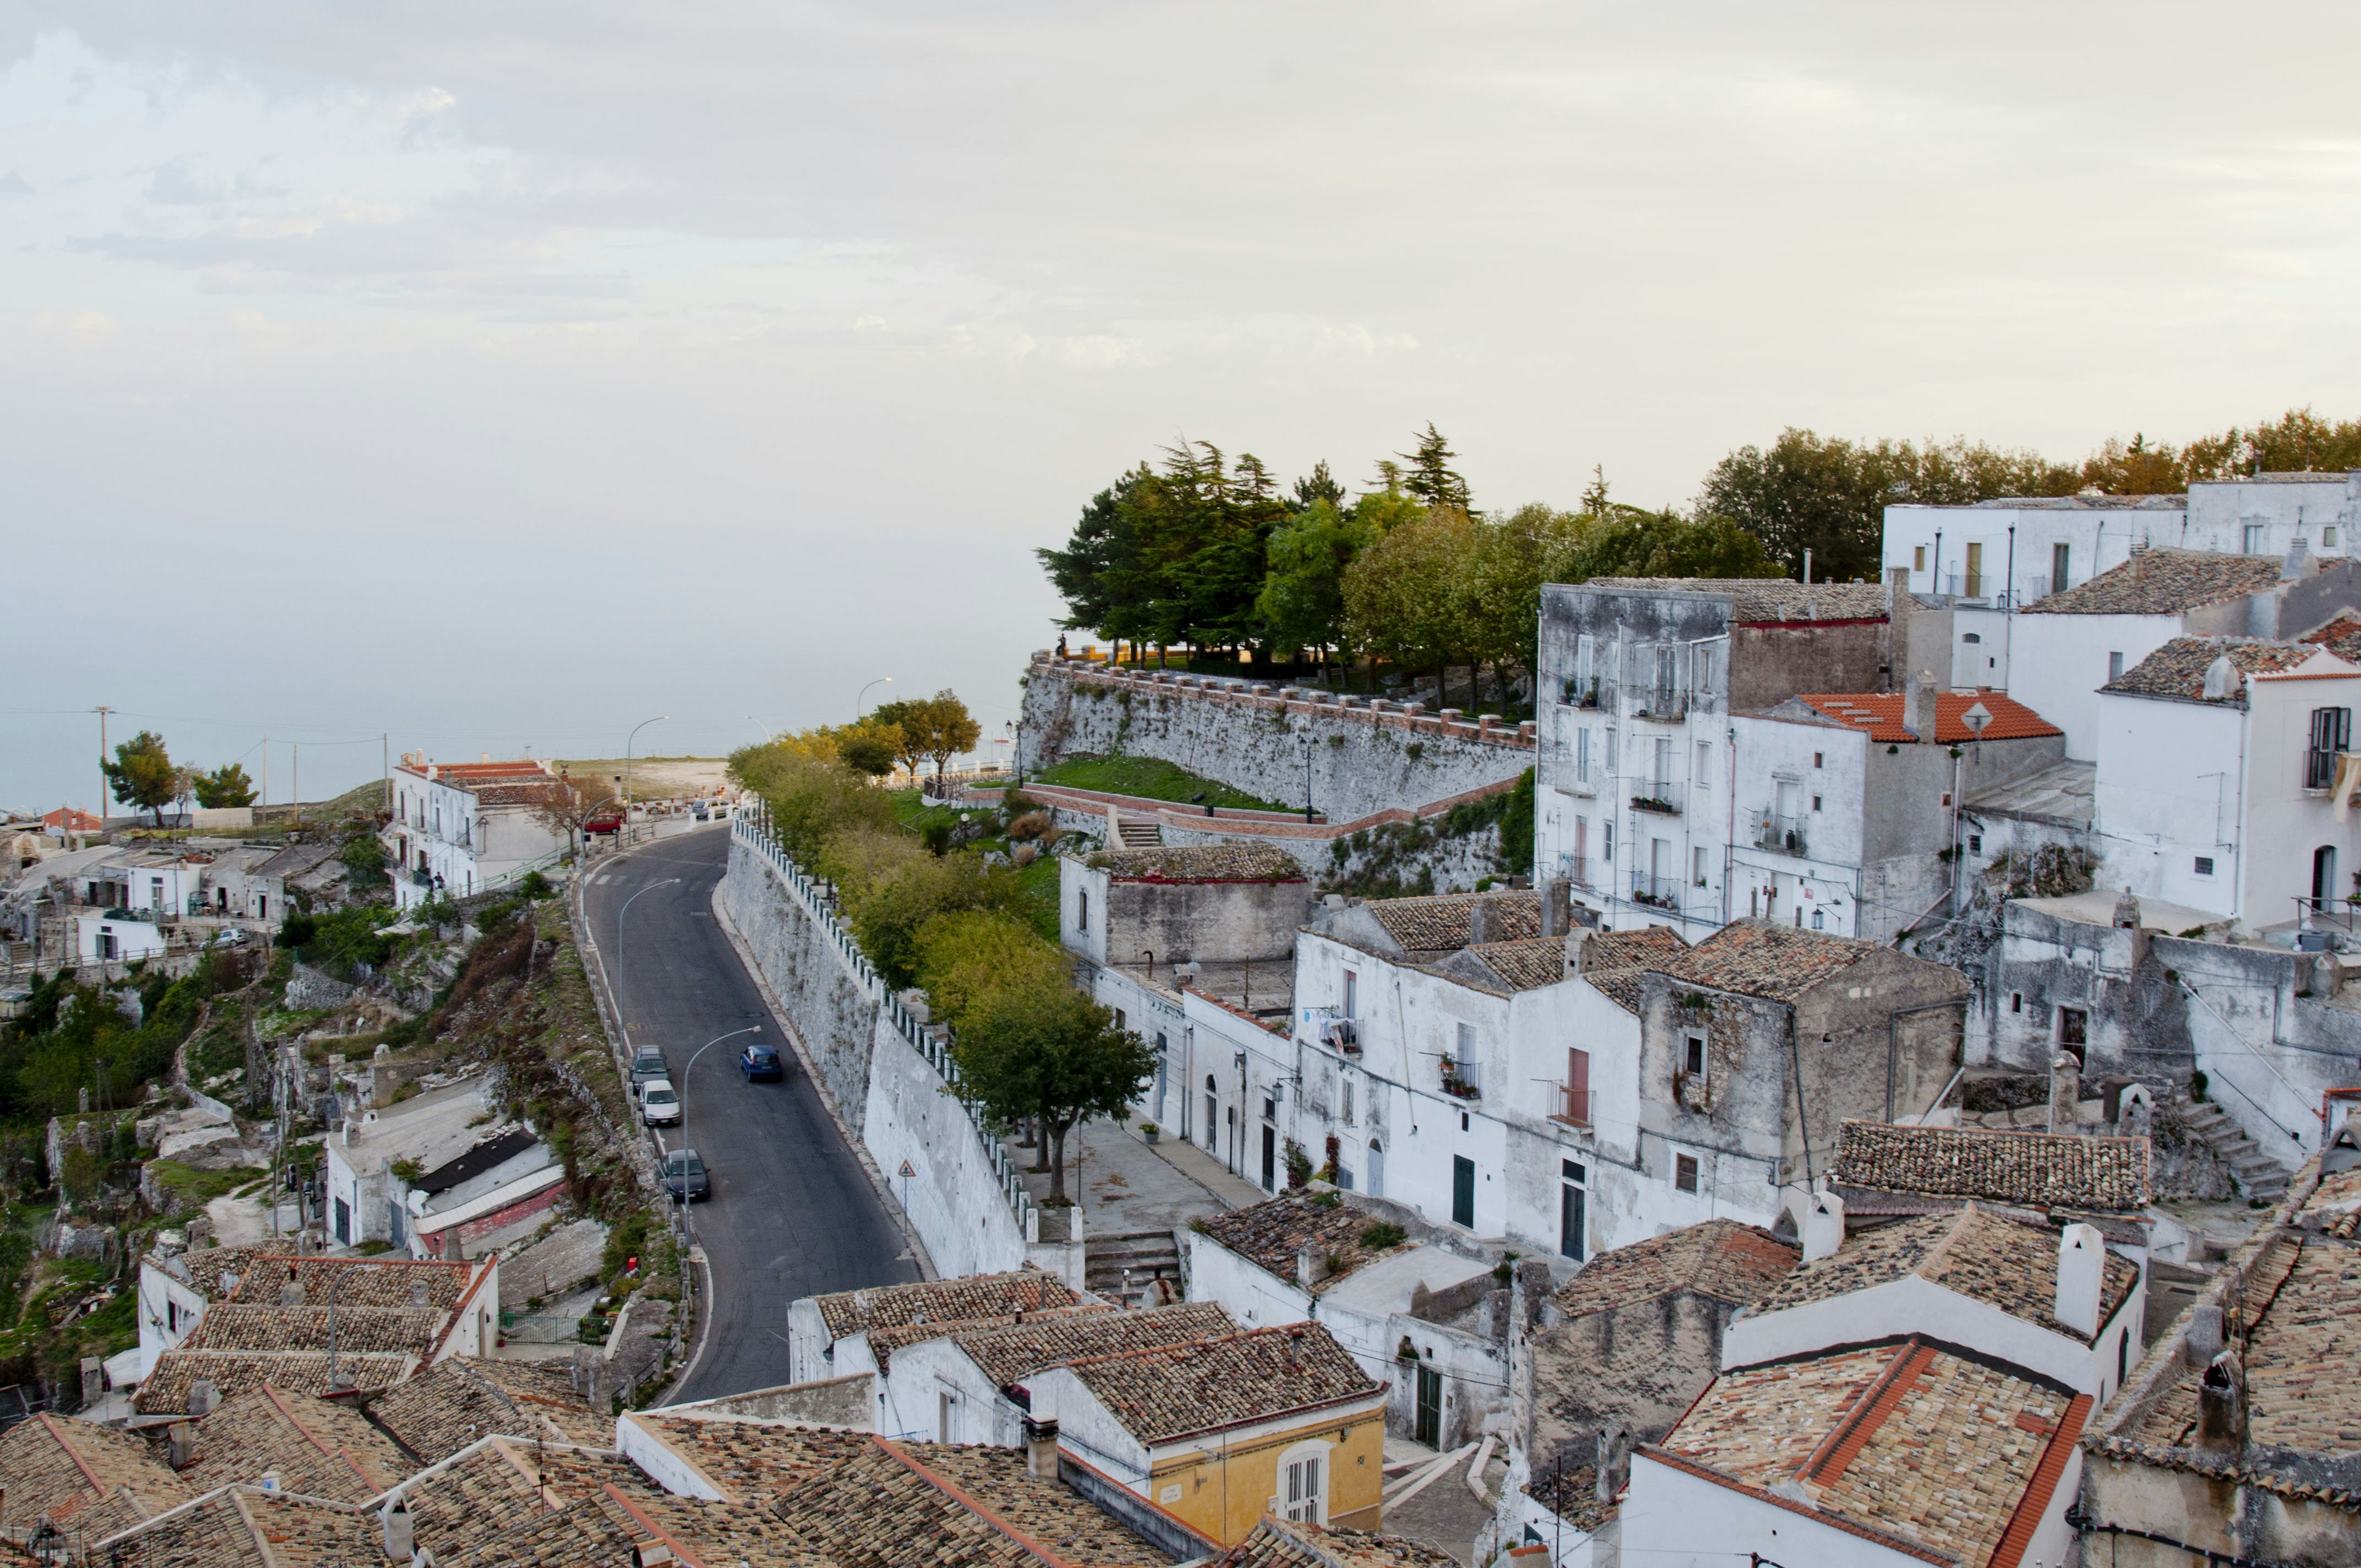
{"x":165,"y":1391}
{"x":1620,"y":986}
{"x":1168,"y":1391}
{"x":2340,"y":636}
{"x":1005,"y":1355}
{"x":1612,"y":960}
{"x":1903,"y":1440}
{"x":1720,"y":1259}
{"x":1526,"y":965}
{"x":246,"y":1527}
{"x":2036,"y":1170}
{"x":207,"y":1269}
{"x":461,"y":1398}
{"x":234,"y":1325}
{"x":980,"y":1295}
{"x":1768,"y":598}
{"x":2177,"y":669}
{"x":1271,"y":1233}
{"x":1758,"y":958}
{"x":500,"y":1482}
{"x":81,"y":1476}
{"x":1199,"y":862}
{"x":2164,"y":582}
{"x":1287,"y":1543}
{"x":1972,"y":1251}
{"x":1880,"y":715}
{"x":318,"y":1449}
{"x":2335,"y":1206}
{"x":1443,"y":920}
{"x":367,"y":1282}
{"x":883,"y":1342}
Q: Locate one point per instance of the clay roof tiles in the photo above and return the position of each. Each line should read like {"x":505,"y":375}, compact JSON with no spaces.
{"x":246,"y":1527}
{"x":165,"y":1390}
{"x":2164,"y":582}
{"x":1271,"y":1233}
{"x":1289,"y":1543}
{"x":2036,"y":1170}
{"x":1612,"y":960}
{"x":500,"y":1482}
{"x":1880,"y":715}
{"x":1757,"y":958}
{"x":81,"y":1476}
{"x":1445,"y":921}
{"x":2177,"y":669}
{"x":462,"y":1399}
{"x":318,"y":1448}
{"x":1008,"y":1354}
{"x":356,"y":1330}
{"x":1720,"y":1259}
{"x":1167,"y":1392}
{"x":883,"y":1342}
{"x":979,"y":1296}
{"x":367,"y":1282}
{"x":1199,"y":862}
{"x":1526,"y":965}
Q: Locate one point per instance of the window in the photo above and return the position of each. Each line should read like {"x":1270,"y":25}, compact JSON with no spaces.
{"x":2073,"y":1029}
{"x":1269,"y":1109}
{"x":1302,"y":1495}
{"x":1972,"y":637}
{"x":2061,"y":556}
{"x":1816,"y":803}
{"x":1697,"y":865}
{"x":2017,"y":1002}
{"x":2257,"y":537}
{"x":1571,"y":1201}
{"x":1348,"y":1103}
{"x":1975,"y":843}
{"x":1607,"y":844}
{"x":1466,"y":1054}
{"x":2332,"y":734}
{"x":1705,"y":764}
{"x":1585,"y":647}
{"x":1685,"y":1172}
{"x":1083,"y":912}
{"x":1352,"y":994}
{"x":1815,"y":759}
{"x":1118,"y":1019}
{"x":1463,"y":1120}
{"x":1582,"y":754}
{"x":1974,"y":587}
{"x":1918,"y":558}
{"x":1611,"y":748}
{"x":1463,"y":1191}
{"x":2204,"y":865}
{"x":1693,"y":1056}
{"x":2328,"y":538}
{"x":1212,"y":1114}
{"x":2115,"y":666}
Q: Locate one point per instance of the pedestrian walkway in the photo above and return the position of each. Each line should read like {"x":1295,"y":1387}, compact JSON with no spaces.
{"x":1125,"y":1185}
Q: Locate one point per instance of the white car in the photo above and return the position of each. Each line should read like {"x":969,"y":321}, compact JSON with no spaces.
{"x":659,"y":1103}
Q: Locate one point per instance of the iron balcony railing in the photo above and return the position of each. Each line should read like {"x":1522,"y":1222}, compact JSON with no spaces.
{"x":1656,"y":892}
{"x":1781,"y":835}
{"x":1573,"y":1104}
{"x":1662,"y":796}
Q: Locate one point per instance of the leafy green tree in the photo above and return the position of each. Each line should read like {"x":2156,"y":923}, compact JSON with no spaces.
{"x":869,"y":747}
{"x":967,"y":955}
{"x":1319,"y":486}
{"x":142,"y":775}
{"x":1431,"y":477}
{"x":362,"y":853}
{"x":809,"y":796}
{"x":1301,"y":605}
{"x":1404,"y":596}
{"x":226,"y":786}
{"x":1041,"y":1049}
{"x":929,"y":729}
{"x":1626,"y":542}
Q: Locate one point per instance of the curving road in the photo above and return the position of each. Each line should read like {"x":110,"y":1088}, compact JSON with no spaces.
{"x":793,"y":1213}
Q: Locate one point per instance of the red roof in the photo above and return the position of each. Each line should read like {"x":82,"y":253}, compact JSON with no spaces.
{"x":1880,"y":713}
{"x":71,"y":820}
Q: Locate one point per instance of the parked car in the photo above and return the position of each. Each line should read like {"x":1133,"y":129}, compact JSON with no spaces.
{"x":684,"y":1178}
{"x":647,"y":1066}
{"x":659,"y":1103}
{"x":233,"y":937}
{"x":604,"y":822}
{"x":759,"y":1060}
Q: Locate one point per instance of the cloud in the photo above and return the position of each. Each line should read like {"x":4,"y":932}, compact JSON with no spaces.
{"x":14,"y":184}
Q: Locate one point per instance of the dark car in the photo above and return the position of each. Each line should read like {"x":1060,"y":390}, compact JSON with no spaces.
{"x":684,"y":1178}
{"x":759,"y":1060}
{"x":647,"y":1066}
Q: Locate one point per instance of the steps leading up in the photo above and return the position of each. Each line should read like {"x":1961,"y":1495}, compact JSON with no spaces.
{"x":2257,"y":1173}
{"x":1138,"y":835}
{"x":1125,"y":1268}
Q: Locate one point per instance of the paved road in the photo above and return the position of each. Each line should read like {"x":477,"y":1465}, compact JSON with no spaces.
{"x":792,"y":1213}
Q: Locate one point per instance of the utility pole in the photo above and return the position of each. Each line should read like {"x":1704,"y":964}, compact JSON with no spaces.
{"x":102,"y":711}
{"x":266,"y":769}
{"x":385,"y":761}
{"x":295,"y":753}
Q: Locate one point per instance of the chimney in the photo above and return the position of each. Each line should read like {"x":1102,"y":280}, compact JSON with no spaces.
{"x":2202,"y":1341}
{"x":1824,"y":1225}
{"x":291,"y":1294}
{"x":267,"y":1481}
{"x":1555,"y":897}
{"x":2081,"y":1269}
{"x":2222,"y":1404}
{"x":1041,"y":1448}
{"x":399,"y":1546}
{"x":649,"y":1553}
{"x":418,"y":1295}
{"x":1920,"y":718}
{"x":1479,"y":921}
{"x":94,"y":1380}
{"x":2298,"y":564}
{"x":1899,"y":608}
{"x":1613,"y":1453}
{"x":1577,"y":948}
{"x":202,"y":1397}
{"x":1310,"y":1266}
{"x":2065,"y":1093}
{"x":180,"y":1445}
{"x":2127,"y":914}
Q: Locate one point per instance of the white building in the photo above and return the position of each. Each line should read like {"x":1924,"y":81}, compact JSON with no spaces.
{"x":451,"y":1156}
{"x":2219,"y":763}
{"x":460,"y":828}
{"x":99,"y":940}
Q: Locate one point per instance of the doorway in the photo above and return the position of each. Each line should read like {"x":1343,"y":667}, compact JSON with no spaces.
{"x":1463,"y":1191}
{"x":1270,"y":1159}
{"x":1427,"y":1428}
{"x":2323,"y":876}
{"x":1377,"y":1168}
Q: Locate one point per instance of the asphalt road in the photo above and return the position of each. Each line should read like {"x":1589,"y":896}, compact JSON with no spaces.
{"x":792,"y":1213}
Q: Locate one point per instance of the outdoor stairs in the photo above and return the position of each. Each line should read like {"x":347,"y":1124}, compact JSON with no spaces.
{"x":1135,"y":834}
{"x":2260,"y":1175}
{"x":1147,"y":1256}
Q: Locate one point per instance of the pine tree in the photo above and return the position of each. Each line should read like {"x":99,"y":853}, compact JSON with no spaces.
{"x":1431,"y":477}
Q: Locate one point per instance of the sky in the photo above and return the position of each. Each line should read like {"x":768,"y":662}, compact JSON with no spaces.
{"x":473,"y":378}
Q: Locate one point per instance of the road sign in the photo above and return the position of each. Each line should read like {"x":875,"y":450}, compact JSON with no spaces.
{"x":906,"y":1172}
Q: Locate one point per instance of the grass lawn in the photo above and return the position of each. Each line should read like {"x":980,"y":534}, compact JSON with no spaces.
{"x":1152,"y":778}
{"x":198,"y":1187}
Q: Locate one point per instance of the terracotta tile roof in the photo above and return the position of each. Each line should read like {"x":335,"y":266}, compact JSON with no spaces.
{"x":1720,"y":1259}
{"x":1048,"y":1513}
{"x":318,"y":1449}
{"x":883,"y":1342}
{"x":2340,"y":636}
{"x":1620,"y":986}
{"x":1271,"y":1233}
{"x":500,"y":1482}
{"x":2335,"y":1206}
{"x":1525,"y":965}
{"x":1971,"y":1251}
{"x":2177,"y":669}
{"x":234,"y":1325}
{"x":81,"y":1476}
{"x":589,"y":1532}
{"x":980,"y":1295}
{"x":462,"y":1399}
{"x":1287,"y":1543}
{"x":1768,"y":598}
{"x":1612,"y":960}
{"x":2164,"y":582}
{"x":1443,"y":920}
{"x":2035,"y":1170}
{"x":1166,"y":1392}
{"x":367,"y":1282}
{"x":1199,"y":862}
{"x":1757,"y":958}
{"x":1906,"y":1440}
{"x":210,"y":1270}
{"x":246,"y":1527}
{"x":1006,"y":1355}
{"x":165,"y":1392}
{"x":1880,"y":715}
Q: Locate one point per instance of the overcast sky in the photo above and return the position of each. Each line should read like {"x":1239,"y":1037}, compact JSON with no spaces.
{"x":500,"y":375}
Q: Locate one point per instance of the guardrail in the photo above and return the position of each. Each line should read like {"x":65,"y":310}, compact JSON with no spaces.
{"x":754,"y":832}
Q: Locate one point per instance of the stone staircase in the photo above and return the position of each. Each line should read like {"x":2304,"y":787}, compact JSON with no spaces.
{"x":2258,"y":1174}
{"x":1135,"y":834}
{"x":1124,"y":1268}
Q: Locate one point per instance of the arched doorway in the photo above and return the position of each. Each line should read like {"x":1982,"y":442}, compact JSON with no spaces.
{"x":1377,"y":1168}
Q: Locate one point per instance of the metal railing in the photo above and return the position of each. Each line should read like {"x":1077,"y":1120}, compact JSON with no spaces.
{"x":1651,"y":892}
{"x":2320,"y":767}
{"x":753,"y":830}
{"x":1576,"y":869}
{"x":1659,"y":704}
{"x":1573,"y":1104}
{"x":1781,"y":835}
{"x":1662,"y":796}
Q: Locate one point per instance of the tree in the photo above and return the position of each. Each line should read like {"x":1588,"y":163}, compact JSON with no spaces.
{"x":966,"y":956}
{"x":1039,"y":1048}
{"x":226,"y":786}
{"x":1317,"y":486}
{"x":363,"y":855}
{"x":869,"y":747}
{"x":933,"y":728}
{"x":1301,"y":605}
{"x":1626,"y":542}
{"x":1404,"y":598}
{"x":1431,"y":477}
{"x":142,"y":775}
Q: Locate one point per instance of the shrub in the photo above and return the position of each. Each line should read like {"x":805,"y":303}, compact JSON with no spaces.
{"x":1032,"y":825}
{"x":297,"y":930}
{"x":1382,"y":1234}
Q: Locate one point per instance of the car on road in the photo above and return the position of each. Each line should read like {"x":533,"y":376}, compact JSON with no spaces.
{"x":659,"y":1103}
{"x":760,"y":1061}
{"x":647,"y":1066}
{"x":684,"y":1178}
{"x":233,"y":937}
{"x":603,"y":822}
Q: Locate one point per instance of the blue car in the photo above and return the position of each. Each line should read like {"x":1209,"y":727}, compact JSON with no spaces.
{"x":760,"y":1061}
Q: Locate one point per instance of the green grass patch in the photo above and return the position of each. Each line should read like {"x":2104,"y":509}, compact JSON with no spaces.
{"x":198,"y":1187}
{"x":1151,"y":778}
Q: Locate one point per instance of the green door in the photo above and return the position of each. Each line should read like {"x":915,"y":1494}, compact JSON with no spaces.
{"x":1463,"y":1191}
{"x":1428,"y":1429}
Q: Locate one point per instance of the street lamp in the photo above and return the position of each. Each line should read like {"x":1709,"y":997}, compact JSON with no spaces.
{"x":880,"y":681}
{"x":767,"y":736}
{"x":620,"y":1021}
{"x":642,"y":724}
{"x":748,"y":1029}
{"x":1307,"y":774}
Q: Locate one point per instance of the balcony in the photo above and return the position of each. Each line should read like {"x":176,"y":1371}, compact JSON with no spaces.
{"x":1578,"y":696}
{"x":1661,"y":796}
{"x":1576,"y":869}
{"x":1656,"y":892}
{"x":1460,"y":1079}
{"x":2320,"y":767}
{"x":1573,"y":1104}
{"x":1658,"y":705}
{"x":1780,"y":835}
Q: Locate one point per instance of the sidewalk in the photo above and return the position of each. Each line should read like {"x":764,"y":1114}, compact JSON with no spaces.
{"x":1125,"y":1185}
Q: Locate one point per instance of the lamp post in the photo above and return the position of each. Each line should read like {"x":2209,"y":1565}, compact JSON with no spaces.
{"x":642,"y":724}
{"x":1307,"y":775}
{"x":880,"y":681}
{"x":767,"y":736}
{"x":750,"y":1029}
{"x":621,"y":1022}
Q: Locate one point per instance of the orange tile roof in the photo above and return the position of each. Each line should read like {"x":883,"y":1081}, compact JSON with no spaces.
{"x":1881,"y":714}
